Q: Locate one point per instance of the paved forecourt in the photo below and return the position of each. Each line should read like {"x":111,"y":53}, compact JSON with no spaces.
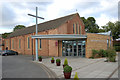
{"x":86,"y":68}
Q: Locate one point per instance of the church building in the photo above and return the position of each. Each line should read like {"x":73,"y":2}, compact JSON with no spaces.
{"x":64,"y":36}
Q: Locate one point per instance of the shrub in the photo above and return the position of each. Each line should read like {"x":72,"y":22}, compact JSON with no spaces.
{"x":39,"y":57}
{"x":117,"y":48}
{"x":91,"y":57}
{"x":65,"y":61}
{"x":116,"y":44}
{"x":94,"y":53}
{"x":52,"y":58}
{"x":111,"y":54}
{"x":58,"y":60}
{"x":67,"y":68}
{"x":102,"y":53}
{"x":76,"y":76}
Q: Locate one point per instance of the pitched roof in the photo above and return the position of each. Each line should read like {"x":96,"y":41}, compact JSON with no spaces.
{"x":52,"y":24}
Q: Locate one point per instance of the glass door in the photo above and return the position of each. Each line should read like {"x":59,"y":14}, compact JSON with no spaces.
{"x":67,"y":48}
{"x":73,"y":48}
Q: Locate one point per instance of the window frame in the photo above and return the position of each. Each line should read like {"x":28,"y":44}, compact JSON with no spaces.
{"x":76,"y":28}
{"x":12,"y":44}
{"x":73,"y":28}
{"x":79,"y":29}
{"x":40,"y":44}
{"x":19,"y":43}
{"x":6,"y":43}
{"x":28,"y":42}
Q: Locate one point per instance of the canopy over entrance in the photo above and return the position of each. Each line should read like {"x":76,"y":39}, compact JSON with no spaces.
{"x":61,"y":37}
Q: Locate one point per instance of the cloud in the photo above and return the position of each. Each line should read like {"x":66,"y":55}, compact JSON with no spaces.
{"x":104,"y":19}
{"x":15,"y":13}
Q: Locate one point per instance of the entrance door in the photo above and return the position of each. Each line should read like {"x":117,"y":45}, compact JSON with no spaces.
{"x":67,"y":48}
{"x":73,"y":48}
{"x":81,"y":48}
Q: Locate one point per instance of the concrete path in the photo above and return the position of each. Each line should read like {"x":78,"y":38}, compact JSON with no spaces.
{"x":22,"y":67}
{"x":86,"y":68}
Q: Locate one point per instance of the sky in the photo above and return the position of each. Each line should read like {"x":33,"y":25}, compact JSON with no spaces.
{"x":15,"y":12}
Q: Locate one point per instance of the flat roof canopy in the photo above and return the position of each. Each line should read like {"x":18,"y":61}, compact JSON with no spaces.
{"x":61,"y":37}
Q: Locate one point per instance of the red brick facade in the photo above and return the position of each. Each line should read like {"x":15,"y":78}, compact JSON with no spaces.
{"x":49,"y":47}
{"x":54,"y":47}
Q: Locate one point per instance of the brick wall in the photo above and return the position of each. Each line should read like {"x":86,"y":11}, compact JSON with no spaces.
{"x":95,"y":41}
{"x":49,"y":47}
{"x":75,"y":20}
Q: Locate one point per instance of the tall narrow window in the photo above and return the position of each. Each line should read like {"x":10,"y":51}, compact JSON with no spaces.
{"x":6,"y":43}
{"x":28,"y":42}
{"x":107,"y":43}
{"x":73,"y":28}
{"x":80,"y":29}
{"x":39,"y":43}
{"x":76,"y":28}
{"x":12,"y":44}
{"x":19,"y":43}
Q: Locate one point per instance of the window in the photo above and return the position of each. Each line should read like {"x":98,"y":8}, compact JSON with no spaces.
{"x":28,"y":42}
{"x":73,"y":28}
{"x":12,"y":44}
{"x":19,"y":43}
{"x":107,"y":43}
{"x":77,"y":28}
{"x":39,"y":43}
{"x":6,"y":43}
{"x":80,"y":29}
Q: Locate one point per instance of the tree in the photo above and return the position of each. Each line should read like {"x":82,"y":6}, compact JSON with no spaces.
{"x":101,"y":30}
{"x":114,"y":28}
{"x":85,"y":22}
{"x":4,"y":35}
{"x":90,"y":25}
{"x":18,"y":27}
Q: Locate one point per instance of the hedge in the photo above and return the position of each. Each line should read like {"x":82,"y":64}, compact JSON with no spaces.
{"x":117,"y":48}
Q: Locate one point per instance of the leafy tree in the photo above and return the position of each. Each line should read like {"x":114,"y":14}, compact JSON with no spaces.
{"x":85,"y":22}
{"x":101,"y":30}
{"x":90,"y":25}
{"x":114,"y":28}
{"x":109,"y":26}
{"x":18,"y":27}
{"x":4,"y":35}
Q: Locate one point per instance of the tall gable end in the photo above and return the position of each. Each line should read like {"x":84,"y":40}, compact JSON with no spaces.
{"x":52,"y":24}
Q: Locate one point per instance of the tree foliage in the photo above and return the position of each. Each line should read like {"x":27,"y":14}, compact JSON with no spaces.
{"x":90,"y":25}
{"x":114,"y":28}
{"x":4,"y":35}
{"x":18,"y":27}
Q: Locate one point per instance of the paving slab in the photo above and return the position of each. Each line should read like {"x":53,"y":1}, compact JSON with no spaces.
{"x":86,"y":68}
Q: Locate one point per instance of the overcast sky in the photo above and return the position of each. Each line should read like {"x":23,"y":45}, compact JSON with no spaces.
{"x":15,"y":12}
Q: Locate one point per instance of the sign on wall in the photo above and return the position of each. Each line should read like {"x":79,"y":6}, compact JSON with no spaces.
{"x":98,"y":40}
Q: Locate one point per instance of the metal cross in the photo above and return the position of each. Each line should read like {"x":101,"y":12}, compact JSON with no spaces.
{"x":36,"y":40}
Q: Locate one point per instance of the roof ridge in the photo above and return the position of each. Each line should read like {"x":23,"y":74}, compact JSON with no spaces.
{"x":27,"y":30}
{"x":47,"y":21}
